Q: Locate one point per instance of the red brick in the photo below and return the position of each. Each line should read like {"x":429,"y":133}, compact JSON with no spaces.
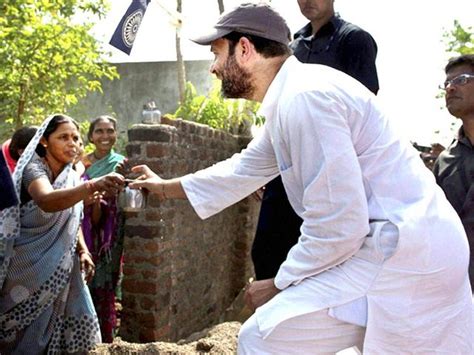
{"x":140,"y":287}
{"x":146,"y":232}
{"x":153,"y":215}
{"x":151,"y":246}
{"x":152,"y":334}
{"x":149,"y":319}
{"x":129,"y":304}
{"x":157,"y":150}
{"x":128,"y":270}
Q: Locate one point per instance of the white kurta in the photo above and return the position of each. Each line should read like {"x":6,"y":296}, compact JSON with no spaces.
{"x":380,"y":245}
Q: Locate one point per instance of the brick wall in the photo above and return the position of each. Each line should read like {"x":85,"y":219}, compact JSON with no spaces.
{"x":181,"y":273}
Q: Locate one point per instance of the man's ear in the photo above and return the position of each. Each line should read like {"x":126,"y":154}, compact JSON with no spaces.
{"x":247,"y":49}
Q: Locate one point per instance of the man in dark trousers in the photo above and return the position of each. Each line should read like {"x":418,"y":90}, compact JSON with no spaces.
{"x":326,"y":39}
{"x":454,"y":168}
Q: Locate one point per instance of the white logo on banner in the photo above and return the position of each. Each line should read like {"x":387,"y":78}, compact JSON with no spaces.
{"x":130,"y":27}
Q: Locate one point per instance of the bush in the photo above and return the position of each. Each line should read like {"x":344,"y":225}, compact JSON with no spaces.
{"x":233,"y":116}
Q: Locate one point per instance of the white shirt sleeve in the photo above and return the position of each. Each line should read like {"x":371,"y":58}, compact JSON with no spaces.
{"x":212,"y":189}
{"x":325,"y":173}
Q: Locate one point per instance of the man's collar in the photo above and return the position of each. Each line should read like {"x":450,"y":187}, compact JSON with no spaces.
{"x":330,"y":27}
{"x":462,"y":138}
{"x":274,"y":90}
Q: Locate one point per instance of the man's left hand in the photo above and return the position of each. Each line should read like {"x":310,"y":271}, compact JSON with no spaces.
{"x":260,"y":292}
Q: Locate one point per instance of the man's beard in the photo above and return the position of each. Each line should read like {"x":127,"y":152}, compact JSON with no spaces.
{"x":236,"y":81}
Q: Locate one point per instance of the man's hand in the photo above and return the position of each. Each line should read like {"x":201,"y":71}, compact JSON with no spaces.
{"x":144,"y":171}
{"x":260,"y":292}
{"x":148,"y":180}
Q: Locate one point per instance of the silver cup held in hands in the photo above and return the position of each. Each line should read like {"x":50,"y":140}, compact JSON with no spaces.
{"x":132,"y":199}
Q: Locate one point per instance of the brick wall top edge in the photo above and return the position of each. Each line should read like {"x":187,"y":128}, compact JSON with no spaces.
{"x":176,"y":122}
{"x":154,"y":133}
{"x":166,"y":119}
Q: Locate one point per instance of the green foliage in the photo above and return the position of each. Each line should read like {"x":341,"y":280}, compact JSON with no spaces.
{"x":48,"y":60}
{"x":234,"y":116}
{"x":459,"y":40}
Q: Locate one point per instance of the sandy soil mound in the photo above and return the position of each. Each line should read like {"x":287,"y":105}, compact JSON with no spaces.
{"x":220,"y":339}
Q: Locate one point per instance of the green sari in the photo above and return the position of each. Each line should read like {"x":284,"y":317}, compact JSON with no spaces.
{"x":106,"y":245}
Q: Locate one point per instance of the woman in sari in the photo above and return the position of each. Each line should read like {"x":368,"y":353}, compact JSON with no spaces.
{"x":100,"y":225}
{"x":45,"y":306}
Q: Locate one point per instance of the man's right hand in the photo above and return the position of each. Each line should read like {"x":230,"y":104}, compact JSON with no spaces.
{"x":148,"y":180}
{"x":260,"y":292}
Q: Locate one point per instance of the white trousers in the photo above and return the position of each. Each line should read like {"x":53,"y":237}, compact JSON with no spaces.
{"x":312,"y":333}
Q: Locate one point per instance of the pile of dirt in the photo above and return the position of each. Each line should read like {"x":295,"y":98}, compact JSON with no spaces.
{"x":220,"y":339}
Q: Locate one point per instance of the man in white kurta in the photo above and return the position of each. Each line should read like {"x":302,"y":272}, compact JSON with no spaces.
{"x":382,"y":255}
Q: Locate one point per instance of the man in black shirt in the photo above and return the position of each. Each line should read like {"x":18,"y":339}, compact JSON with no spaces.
{"x":326,"y":39}
{"x":454,"y":168}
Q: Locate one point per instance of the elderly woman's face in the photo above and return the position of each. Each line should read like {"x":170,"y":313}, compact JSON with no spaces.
{"x":104,"y":136}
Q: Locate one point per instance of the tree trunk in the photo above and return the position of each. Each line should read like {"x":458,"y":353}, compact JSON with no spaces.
{"x":221,"y":6}
{"x":179,"y":58}
{"x":21,"y":105}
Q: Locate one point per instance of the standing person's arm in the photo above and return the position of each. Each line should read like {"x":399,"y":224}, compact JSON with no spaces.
{"x":359,"y":52}
{"x":164,"y":189}
{"x":221,"y":185}
{"x":85,"y":257}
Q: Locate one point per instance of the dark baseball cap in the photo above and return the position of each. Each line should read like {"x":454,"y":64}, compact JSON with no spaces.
{"x":254,"y":19}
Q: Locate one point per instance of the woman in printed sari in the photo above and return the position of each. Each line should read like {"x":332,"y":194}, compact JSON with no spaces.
{"x":100,"y":225}
{"x":45,"y":306}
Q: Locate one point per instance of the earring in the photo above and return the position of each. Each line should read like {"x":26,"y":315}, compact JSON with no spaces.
{"x":45,"y":146}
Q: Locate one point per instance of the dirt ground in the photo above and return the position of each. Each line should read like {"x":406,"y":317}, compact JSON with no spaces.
{"x":220,"y":339}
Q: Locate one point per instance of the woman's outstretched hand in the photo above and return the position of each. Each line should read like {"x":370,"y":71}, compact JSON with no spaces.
{"x":110,"y":184}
